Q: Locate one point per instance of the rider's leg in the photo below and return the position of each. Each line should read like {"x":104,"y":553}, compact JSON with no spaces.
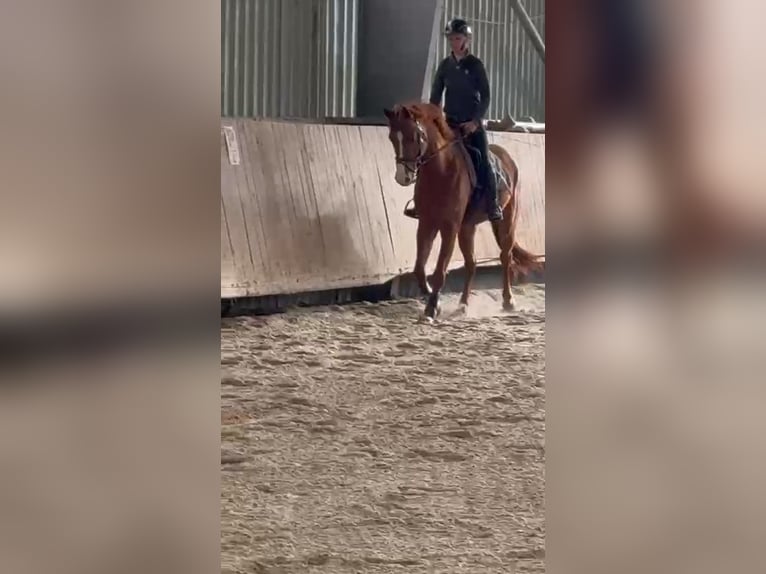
{"x":478,"y":139}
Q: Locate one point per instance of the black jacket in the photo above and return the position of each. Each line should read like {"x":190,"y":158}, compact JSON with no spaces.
{"x":467,"y":96}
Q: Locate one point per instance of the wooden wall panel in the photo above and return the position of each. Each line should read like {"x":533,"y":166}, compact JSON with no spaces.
{"x":312,"y":207}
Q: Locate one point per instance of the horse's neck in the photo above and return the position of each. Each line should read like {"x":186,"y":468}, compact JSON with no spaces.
{"x":444,"y":158}
{"x":436,"y":141}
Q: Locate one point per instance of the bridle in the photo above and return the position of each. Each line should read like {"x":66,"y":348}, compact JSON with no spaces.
{"x":413,"y":165}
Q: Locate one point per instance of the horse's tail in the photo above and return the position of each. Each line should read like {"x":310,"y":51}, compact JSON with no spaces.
{"x":524,"y":261}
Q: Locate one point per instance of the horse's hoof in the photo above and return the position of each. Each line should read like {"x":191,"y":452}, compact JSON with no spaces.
{"x":509,"y":305}
{"x":425,"y":319}
{"x":432,"y":312}
{"x":433,"y":307}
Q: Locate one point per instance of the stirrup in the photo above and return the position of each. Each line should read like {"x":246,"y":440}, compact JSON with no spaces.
{"x":410,"y":211}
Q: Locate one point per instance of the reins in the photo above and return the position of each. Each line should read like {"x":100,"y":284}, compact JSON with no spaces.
{"x":420,"y":160}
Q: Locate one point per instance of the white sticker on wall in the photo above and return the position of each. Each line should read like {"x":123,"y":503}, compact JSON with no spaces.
{"x":231,"y":144}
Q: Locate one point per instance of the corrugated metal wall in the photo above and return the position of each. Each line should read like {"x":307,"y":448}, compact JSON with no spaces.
{"x":289,"y":58}
{"x":516,"y":71}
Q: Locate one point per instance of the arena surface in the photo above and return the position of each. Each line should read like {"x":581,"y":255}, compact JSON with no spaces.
{"x":357,"y":440}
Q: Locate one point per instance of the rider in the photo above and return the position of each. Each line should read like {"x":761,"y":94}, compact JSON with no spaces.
{"x":466,"y":103}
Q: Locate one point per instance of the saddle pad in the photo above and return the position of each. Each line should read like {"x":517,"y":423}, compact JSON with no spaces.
{"x":468,"y":158}
{"x":494,"y":162}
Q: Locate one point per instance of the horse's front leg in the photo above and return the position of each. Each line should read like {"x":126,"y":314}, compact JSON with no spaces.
{"x":425,"y":241}
{"x":448,"y":240}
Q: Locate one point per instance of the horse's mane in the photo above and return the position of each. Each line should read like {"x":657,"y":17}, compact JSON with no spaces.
{"x":429,"y":112}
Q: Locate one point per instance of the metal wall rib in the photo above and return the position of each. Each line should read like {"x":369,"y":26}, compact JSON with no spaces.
{"x":516,"y":71}
{"x":289,"y":58}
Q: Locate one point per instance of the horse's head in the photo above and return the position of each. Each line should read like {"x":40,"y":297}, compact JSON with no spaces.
{"x":410,"y":143}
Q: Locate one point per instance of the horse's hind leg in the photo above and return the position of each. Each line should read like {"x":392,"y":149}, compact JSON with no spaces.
{"x":425,"y":241}
{"x":504,"y":235}
{"x":465,"y":241}
{"x":449,"y":237}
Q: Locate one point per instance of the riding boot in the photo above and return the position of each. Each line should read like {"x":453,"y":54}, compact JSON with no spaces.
{"x":494,"y":213}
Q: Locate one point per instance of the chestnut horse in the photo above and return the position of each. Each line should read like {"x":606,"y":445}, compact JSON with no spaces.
{"x":429,"y":153}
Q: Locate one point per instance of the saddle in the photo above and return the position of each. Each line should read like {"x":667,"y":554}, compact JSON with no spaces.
{"x":472,"y":156}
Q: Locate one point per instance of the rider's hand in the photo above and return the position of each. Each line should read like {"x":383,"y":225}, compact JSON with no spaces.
{"x":469,"y":127}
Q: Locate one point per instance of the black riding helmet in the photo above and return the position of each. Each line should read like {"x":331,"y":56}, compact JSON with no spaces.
{"x":458,"y":26}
